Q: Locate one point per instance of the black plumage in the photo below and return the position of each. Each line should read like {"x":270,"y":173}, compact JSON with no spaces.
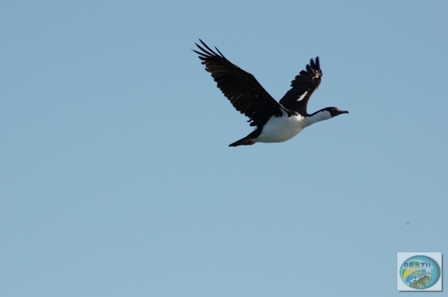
{"x":249,"y":97}
{"x":240,"y":87}
{"x":303,"y":85}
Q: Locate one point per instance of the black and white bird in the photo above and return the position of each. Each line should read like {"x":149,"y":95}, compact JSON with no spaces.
{"x":274,"y":121}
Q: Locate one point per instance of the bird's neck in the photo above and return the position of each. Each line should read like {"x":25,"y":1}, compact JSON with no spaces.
{"x":318,"y":116}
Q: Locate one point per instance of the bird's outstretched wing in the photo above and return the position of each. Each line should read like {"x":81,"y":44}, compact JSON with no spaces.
{"x":240,"y":87}
{"x":303,"y":87}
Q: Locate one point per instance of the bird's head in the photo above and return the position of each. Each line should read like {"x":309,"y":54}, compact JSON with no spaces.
{"x":334,"y":111}
{"x":324,"y":114}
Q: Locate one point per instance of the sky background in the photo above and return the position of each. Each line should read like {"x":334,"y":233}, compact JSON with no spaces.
{"x":116,"y":178}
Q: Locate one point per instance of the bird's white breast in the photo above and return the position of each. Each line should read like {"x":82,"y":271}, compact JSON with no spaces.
{"x":279,"y":129}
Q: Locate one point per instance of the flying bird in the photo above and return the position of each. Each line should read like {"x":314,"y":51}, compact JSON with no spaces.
{"x":273,"y":121}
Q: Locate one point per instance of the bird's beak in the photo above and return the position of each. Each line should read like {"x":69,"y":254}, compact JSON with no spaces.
{"x":343,"y":111}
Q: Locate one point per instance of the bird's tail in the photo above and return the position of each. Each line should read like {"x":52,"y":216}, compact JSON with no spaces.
{"x":243,"y":141}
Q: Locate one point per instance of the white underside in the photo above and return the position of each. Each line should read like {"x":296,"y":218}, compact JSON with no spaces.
{"x":279,"y":129}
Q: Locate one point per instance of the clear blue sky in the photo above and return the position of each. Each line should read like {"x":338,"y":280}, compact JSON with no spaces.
{"x":115,"y":174}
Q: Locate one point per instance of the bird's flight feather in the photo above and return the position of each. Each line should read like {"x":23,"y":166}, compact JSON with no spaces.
{"x":248,"y":96}
{"x":240,"y":87}
{"x":303,"y":87}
